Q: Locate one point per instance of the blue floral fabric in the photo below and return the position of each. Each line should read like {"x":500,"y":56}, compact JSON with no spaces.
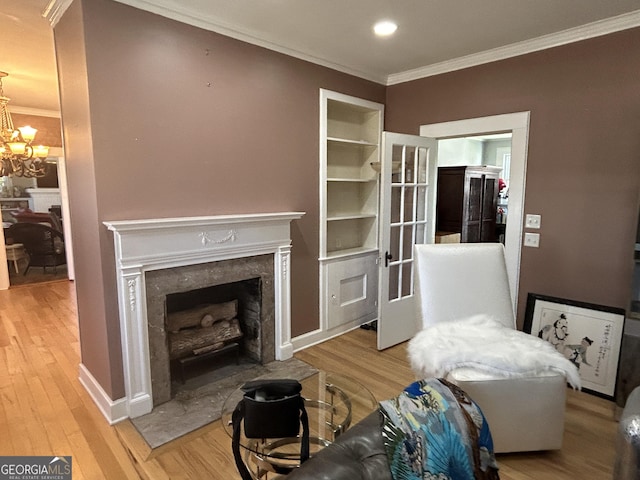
{"x":433,"y":430}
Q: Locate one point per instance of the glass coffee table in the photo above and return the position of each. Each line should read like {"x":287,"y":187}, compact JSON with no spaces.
{"x":333,"y":402}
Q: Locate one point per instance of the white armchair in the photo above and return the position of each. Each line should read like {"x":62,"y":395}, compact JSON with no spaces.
{"x":456,"y":281}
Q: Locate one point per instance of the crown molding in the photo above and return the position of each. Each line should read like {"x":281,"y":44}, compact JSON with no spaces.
{"x":38,"y":112}
{"x":54,"y":10}
{"x":584,"y":32}
{"x":174,"y":10}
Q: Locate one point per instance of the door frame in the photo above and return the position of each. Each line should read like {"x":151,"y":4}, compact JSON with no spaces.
{"x":518,"y":124}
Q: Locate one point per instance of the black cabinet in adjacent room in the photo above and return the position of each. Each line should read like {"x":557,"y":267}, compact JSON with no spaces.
{"x":467,"y":202}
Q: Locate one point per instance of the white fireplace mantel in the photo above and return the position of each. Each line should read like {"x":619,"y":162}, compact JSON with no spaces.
{"x":151,"y":244}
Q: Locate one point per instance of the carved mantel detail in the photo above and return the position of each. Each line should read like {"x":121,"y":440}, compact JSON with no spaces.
{"x":206,"y":238}
{"x":153,"y":244}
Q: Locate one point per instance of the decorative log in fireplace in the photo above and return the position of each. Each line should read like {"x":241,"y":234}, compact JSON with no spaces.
{"x":203,"y":331}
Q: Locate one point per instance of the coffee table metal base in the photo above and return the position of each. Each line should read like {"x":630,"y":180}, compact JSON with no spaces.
{"x":275,"y":457}
{"x":333,"y":402}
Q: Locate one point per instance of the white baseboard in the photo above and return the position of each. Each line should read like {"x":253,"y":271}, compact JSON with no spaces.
{"x":113,"y":410}
{"x":315,"y":337}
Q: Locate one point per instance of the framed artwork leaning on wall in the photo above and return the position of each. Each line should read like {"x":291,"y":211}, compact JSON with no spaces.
{"x":588,"y":335}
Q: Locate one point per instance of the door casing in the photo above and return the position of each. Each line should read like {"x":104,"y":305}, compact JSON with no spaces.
{"x":518,"y":124}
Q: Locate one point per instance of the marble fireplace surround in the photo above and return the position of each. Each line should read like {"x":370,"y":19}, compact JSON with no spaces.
{"x":153,"y":244}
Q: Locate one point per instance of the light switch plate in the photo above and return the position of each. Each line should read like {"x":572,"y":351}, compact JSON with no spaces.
{"x":532,"y":240}
{"x":532,"y":221}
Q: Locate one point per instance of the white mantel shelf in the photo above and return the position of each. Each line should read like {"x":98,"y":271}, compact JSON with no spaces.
{"x":151,"y":244}
{"x":168,"y":242}
{"x":165,"y":223}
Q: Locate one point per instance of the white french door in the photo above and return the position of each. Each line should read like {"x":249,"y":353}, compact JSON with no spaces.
{"x":407,"y":217}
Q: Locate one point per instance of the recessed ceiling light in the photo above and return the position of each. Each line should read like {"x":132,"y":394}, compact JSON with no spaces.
{"x":385,"y":28}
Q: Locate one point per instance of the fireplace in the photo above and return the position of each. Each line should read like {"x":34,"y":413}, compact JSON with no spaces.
{"x":189,"y":288}
{"x":159,"y":261}
{"x":209,"y":327}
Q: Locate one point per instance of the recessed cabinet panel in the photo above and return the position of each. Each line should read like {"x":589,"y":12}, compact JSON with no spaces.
{"x":352,"y":290}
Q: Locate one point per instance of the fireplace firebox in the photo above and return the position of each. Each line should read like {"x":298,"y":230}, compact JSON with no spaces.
{"x":171,"y":290}
{"x":207,"y":328}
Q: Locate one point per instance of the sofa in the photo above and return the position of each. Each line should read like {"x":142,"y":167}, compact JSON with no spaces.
{"x":431,"y":429}
{"x":358,"y":454}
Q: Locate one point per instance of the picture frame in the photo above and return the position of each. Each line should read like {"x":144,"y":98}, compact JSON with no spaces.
{"x":588,"y":335}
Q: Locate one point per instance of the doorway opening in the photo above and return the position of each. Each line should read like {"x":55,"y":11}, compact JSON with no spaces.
{"x":518,"y":125}
{"x":479,"y":212}
{"x":43,"y":254}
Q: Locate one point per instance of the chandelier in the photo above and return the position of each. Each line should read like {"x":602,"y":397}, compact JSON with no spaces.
{"x":19,"y":157}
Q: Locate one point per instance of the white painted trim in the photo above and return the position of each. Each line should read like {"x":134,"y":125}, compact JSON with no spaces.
{"x":66,"y":215}
{"x":282,"y":287}
{"x":315,"y":337}
{"x":175,"y":10}
{"x":4,"y":266}
{"x":55,"y":9}
{"x":152,"y":244}
{"x":38,"y":112}
{"x":591,"y":30}
{"x":167,"y":224}
{"x":113,"y":410}
{"x":518,"y":124}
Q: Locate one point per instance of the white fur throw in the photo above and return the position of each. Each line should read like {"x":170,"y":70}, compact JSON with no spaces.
{"x":485,"y":344}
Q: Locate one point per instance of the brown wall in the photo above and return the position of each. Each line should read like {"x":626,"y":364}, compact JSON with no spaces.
{"x":162,"y":119}
{"x":583,"y":167}
{"x":49,"y":128}
{"x":99,"y":328}
{"x":170,"y":120}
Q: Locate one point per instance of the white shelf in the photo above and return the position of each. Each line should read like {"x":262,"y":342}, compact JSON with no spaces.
{"x":348,"y":253}
{"x":353,"y":216}
{"x":352,"y":180}
{"x":350,"y":140}
{"x":347,"y":141}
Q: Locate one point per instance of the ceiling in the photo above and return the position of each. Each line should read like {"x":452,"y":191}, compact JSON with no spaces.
{"x":433,"y":35}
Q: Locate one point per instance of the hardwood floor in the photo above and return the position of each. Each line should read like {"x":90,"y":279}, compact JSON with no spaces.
{"x":44,"y":410}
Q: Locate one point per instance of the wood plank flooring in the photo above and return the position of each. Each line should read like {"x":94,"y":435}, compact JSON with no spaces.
{"x":44,"y":410}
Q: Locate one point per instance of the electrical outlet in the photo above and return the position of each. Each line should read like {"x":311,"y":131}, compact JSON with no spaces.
{"x":532,"y":240}
{"x":532,"y":221}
